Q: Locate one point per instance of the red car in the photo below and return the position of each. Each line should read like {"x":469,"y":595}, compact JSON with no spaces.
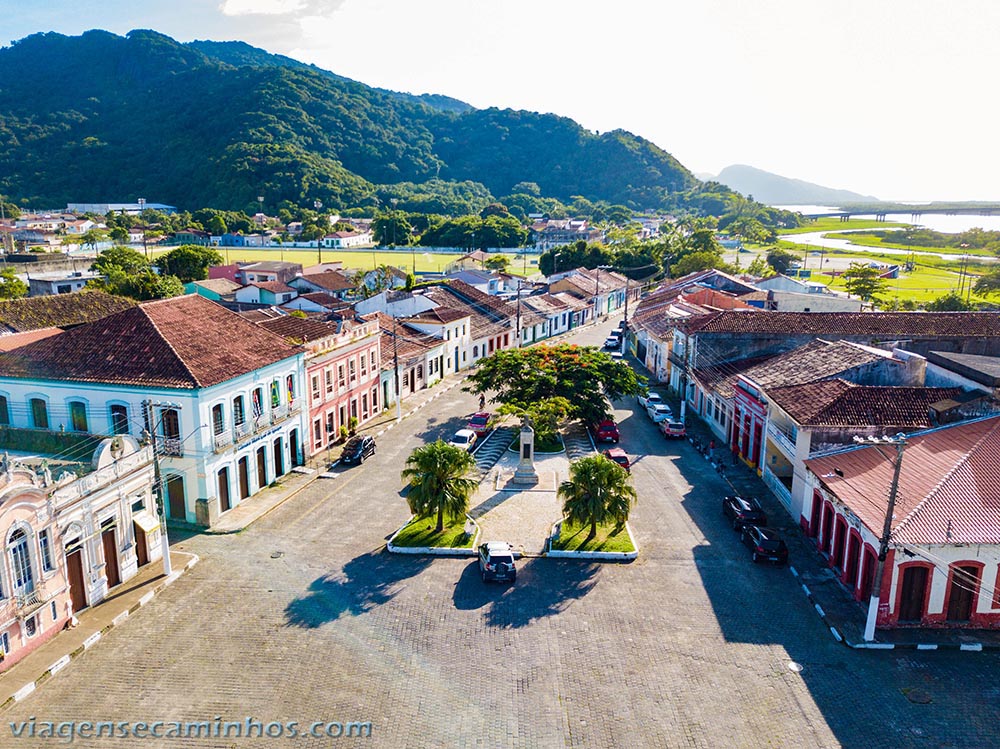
{"x":672,"y":429}
{"x":619,"y":456}
{"x":480,"y":423}
{"x":605,"y":431}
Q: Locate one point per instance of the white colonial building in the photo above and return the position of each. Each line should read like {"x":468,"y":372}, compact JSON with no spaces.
{"x":224,"y":397}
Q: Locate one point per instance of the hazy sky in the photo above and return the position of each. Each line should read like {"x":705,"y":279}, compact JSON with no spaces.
{"x":895,"y":99}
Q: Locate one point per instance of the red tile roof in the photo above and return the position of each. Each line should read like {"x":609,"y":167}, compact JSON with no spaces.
{"x":184,"y":342}
{"x":331,"y":280}
{"x":949,"y":485}
{"x":841,"y":403}
{"x":275,"y":287}
{"x":16,"y":340}
{"x":59,"y":310}
{"x":818,"y":360}
{"x":885,"y":325}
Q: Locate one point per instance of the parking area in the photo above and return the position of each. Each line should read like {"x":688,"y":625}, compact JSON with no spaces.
{"x":305,"y":617}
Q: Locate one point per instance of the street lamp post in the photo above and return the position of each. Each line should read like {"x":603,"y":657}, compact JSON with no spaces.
{"x":395,"y":364}
{"x":318,"y":205}
{"x":260,"y":202}
{"x":142,"y":210}
{"x":519,"y":314}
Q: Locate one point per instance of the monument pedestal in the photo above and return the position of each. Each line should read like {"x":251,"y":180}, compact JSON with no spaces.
{"x":525,"y":475}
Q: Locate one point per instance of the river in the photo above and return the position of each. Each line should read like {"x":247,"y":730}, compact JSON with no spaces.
{"x":935,"y":221}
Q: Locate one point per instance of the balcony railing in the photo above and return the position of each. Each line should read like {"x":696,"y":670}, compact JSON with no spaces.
{"x":172,"y":446}
{"x":26,"y":603}
{"x":777,"y":486}
{"x":782,"y":439}
{"x":258,"y":424}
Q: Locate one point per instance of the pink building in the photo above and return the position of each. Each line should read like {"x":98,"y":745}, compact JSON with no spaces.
{"x":343,"y":367}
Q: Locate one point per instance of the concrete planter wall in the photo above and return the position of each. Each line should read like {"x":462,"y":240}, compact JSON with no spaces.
{"x":596,"y":556}
{"x":436,"y":551}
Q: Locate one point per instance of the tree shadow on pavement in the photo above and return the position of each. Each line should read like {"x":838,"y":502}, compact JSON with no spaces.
{"x":544,"y":587}
{"x":366,"y":581}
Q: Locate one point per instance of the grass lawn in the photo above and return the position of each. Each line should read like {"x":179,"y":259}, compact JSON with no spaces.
{"x":832,"y":223}
{"x":573,"y":537}
{"x":420,"y":532}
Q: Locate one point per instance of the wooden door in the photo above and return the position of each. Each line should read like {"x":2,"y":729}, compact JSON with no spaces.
{"x":224,"y":503}
{"x":74,"y":568}
{"x":175,"y":498}
{"x":293,"y":446}
{"x":911,"y":604}
{"x":868,"y":574}
{"x":111,"y":571}
{"x":261,"y":468}
{"x":279,"y":458}
{"x":853,"y":557}
{"x":141,"y":549}
{"x":963,"y":585}
{"x":244,"y":477}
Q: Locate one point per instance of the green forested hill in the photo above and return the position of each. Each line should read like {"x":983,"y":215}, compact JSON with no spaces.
{"x":100,"y":117}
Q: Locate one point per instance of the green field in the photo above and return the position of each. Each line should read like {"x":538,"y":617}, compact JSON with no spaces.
{"x":872,"y":241}
{"x":421,"y":532}
{"x":573,"y":537}
{"x":835,"y":224}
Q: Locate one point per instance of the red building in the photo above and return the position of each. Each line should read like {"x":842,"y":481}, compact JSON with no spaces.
{"x":343,"y":367}
{"x":943,"y":564}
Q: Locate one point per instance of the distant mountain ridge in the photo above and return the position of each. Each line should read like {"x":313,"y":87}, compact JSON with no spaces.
{"x":774,"y":189}
{"x":101,"y":117}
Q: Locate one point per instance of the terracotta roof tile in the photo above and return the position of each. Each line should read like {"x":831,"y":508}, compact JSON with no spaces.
{"x":275,"y":287}
{"x":949,"y":484}
{"x":886,"y":325}
{"x":59,"y":310}
{"x":330,"y":280}
{"x":840,"y":403}
{"x":818,"y":360}
{"x":184,"y":342}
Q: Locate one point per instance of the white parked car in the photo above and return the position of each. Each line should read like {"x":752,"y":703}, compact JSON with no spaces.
{"x":659,"y":412}
{"x":464,"y":438}
{"x":646,"y":398}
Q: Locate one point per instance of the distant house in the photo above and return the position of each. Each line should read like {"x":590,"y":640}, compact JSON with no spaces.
{"x":132,"y":209}
{"x":551,"y":233}
{"x":266,"y":270}
{"x":193,"y":236}
{"x":334,"y":283}
{"x":339,"y":240}
{"x":213,"y":288}
{"x":265,"y":292}
{"x":44,"y":284}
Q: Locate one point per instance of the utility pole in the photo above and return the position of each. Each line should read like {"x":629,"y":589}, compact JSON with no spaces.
{"x":684,"y":372}
{"x":519,"y":314}
{"x":625,"y":330}
{"x":900,"y":443}
{"x":158,"y":485}
{"x":395,"y":362}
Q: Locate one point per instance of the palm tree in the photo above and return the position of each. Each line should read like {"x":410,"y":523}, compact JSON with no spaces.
{"x":439,"y":482}
{"x":598,"y":490}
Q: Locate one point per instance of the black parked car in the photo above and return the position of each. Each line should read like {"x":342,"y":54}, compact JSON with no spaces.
{"x":496,"y":561}
{"x":743,"y":512}
{"x":357,"y":449}
{"x":765,"y":544}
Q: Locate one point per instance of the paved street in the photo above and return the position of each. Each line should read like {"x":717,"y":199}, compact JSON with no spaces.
{"x":305,"y":617}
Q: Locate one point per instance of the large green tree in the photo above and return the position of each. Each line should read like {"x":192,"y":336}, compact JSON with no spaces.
{"x":597,"y":491}
{"x":11,"y":287}
{"x":189,"y":262}
{"x":781,"y":260}
{"x":127,"y":272}
{"x":439,"y":481}
{"x":864,"y":281}
{"x":585,"y":377}
{"x":391,"y":228}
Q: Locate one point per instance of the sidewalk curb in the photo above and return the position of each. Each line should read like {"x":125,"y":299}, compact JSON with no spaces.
{"x":971,"y":647}
{"x":63,"y":661}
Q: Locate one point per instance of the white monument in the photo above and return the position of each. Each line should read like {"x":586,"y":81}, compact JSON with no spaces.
{"x":525,"y":475}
